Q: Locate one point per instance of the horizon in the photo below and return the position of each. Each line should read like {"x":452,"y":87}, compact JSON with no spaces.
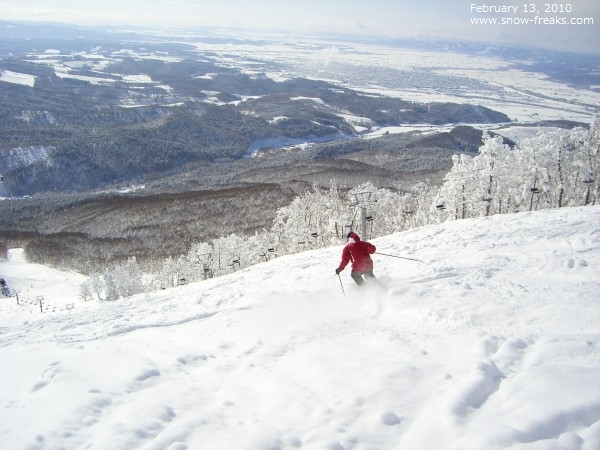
{"x":455,"y":20}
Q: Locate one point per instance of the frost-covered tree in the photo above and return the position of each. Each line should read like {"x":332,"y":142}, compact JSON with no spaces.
{"x":111,"y":287}
{"x":265,"y":246}
{"x":230,"y":253}
{"x":388,"y":213}
{"x":168,"y":275}
{"x":554,"y":169}
{"x":587,"y":162}
{"x":559,"y":166}
{"x":488,"y":168}
{"x":131,"y":278}
{"x":200,"y":255}
{"x":124,"y":280}
{"x":548,"y":167}
{"x":97,"y":285}
{"x":85,"y":291}
{"x":425,"y":196}
{"x":477,"y":186}
{"x":314,"y":219}
{"x":459,"y":185}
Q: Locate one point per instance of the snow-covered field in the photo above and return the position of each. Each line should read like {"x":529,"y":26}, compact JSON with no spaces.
{"x":419,"y":76}
{"x":492,"y":343}
{"x":24,"y":79}
{"x":412,"y":75}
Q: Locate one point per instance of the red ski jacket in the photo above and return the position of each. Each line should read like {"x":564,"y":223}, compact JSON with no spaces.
{"x":359,"y":252}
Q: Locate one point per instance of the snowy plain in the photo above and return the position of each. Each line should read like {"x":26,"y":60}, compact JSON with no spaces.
{"x":412,"y":75}
{"x":492,"y":342}
{"x":487,"y":80}
{"x":8,"y":76}
{"x":526,"y":97}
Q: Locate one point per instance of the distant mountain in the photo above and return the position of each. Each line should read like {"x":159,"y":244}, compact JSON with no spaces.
{"x":109,"y":108}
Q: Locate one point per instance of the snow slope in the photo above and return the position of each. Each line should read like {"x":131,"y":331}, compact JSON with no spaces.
{"x":492,"y":343}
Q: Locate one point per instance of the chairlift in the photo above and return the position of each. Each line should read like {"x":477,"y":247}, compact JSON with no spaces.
{"x":369,"y":218}
{"x":487,"y":200}
{"x":590,"y":181}
{"x":314,"y":234}
{"x":271,"y":250}
{"x":535,"y":190}
{"x":440,"y":206}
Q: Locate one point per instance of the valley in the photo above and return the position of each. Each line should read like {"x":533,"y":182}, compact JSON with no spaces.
{"x":142,"y":143}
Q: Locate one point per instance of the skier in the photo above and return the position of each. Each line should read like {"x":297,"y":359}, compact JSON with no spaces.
{"x":359,"y":252}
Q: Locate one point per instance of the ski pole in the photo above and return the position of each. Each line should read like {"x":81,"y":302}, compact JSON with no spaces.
{"x":341,"y":284}
{"x":400,"y":257}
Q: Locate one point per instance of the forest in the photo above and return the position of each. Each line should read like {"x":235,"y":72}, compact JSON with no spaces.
{"x":95,"y":116}
{"x":161,"y":218}
{"x":553,"y":170}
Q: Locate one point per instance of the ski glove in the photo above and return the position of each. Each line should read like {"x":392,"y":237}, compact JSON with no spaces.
{"x":337,"y":271}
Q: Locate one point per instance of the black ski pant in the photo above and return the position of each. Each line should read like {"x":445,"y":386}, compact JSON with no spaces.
{"x":358,"y":276}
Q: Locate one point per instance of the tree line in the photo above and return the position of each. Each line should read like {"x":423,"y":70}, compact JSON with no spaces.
{"x":553,"y":170}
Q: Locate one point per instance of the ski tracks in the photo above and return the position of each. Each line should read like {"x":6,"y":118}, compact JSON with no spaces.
{"x":512,"y":372}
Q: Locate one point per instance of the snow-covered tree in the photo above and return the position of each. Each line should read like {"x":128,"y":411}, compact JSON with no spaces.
{"x":553,"y":170}
{"x":111,"y":287}
{"x":200,"y":255}
{"x":425,"y":196}
{"x":488,"y":170}
{"x":97,"y":285}
{"x":168,"y":275}
{"x":459,"y":186}
{"x":85,"y":291}
{"x":587,"y":162}
{"x":230,"y":253}
{"x":562,"y":167}
{"x":265,"y":246}
{"x":313,"y":220}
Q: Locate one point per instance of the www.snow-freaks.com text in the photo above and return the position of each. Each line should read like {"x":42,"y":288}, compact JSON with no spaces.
{"x":526,"y":14}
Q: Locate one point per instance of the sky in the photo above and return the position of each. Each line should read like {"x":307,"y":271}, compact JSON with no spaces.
{"x":387,"y":18}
